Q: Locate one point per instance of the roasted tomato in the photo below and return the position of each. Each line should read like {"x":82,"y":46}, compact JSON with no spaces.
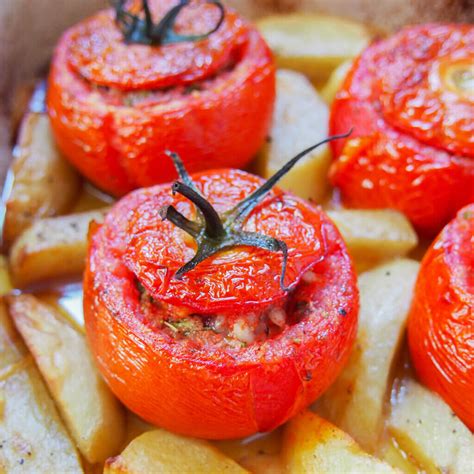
{"x":122,"y":90}
{"x":441,"y":320}
{"x":410,"y":100}
{"x":257,"y":323}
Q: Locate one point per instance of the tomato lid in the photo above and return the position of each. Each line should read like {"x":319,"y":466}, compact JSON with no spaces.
{"x":424,"y":83}
{"x":228,"y":281}
{"x":223,"y":241}
{"x":102,"y":52}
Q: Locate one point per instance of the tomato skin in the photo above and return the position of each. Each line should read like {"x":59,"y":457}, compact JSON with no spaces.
{"x":239,"y":281}
{"x":99,"y":54}
{"x":412,"y":146}
{"x":208,"y":391}
{"x":121,"y":147}
{"x":441,"y":319}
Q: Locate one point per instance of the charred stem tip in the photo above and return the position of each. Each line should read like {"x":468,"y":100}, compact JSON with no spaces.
{"x":163,"y":212}
{"x":175,"y":187}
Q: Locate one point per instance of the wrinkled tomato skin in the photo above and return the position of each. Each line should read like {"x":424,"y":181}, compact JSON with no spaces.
{"x":119,"y":147}
{"x":412,"y":146}
{"x":441,"y":319}
{"x":204,"y":390}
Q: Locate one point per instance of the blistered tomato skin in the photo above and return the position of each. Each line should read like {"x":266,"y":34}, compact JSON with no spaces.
{"x":199,"y":388}
{"x":441,"y":320}
{"x":241,"y":280}
{"x":412,"y":109}
{"x":115,"y":108}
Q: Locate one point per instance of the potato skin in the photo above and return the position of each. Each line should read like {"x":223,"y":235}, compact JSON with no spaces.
{"x":206,"y":391}
{"x":43,"y":183}
{"x":441,"y":320}
{"x":91,"y":413}
{"x":52,"y":248}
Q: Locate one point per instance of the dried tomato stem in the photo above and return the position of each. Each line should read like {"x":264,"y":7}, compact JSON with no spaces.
{"x":171,"y":214}
{"x":225,"y":231}
{"x":144,"y":31}
{"x":182,"y":171}
{"x":214,"y":227}
{"x":245,"y":207}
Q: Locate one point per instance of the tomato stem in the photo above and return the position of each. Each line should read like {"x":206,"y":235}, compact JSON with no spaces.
{"x":136,"y":29}
{"x":224,"y":232}
{"x":245,"y":207}
{"x":171,"y":214}
{"x":214,"y":227}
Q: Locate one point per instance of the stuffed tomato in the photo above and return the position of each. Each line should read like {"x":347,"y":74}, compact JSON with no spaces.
{"x":441,"y":320}
{"x":124,"y":86}
{"x":219,"y":307}
{"x":410,"y":101}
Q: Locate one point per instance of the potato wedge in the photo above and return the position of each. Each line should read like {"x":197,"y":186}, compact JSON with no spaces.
{"x":163,"y":452}
{"x":32,"y":436}
{"x":5,"y":283}
{"x":334,"y":83}
{"x":375,"y":235}
{"x":91,"y":199}
{"x":94,"y":417}
{"x":313,"y":44}
{"x":313,"y":445}
{"x":52,"y":248}
{"x":136,"y":427}
{"x":261,"y":455}
{"x":355,"y":401}
{"x":425,"y":426}
{"x":42,"y":183}
{"x":391,"y":452}
{"x":299,"y":120}
{"x":21,"y":99}
{"x":262,"y":463}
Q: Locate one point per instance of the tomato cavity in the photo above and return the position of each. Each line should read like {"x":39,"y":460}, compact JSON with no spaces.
{"x":226,"y":331}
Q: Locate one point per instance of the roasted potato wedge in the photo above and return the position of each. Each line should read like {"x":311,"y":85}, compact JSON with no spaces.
{"x":391,"y":452}
{"x":5,"y":282}
{"x":94,"y":417}
{"x":22,"y":98}
{"x":261,"y":456}
{"x":313,"y":445}
{"x":355,"y":401}
{"x":163,"y":452}
{"x":375,"y":235}
{"x":32,"y":436}
{"x":313,"y":44}
{"x":425,"y":426}
{"x":262,"y":463}
{"x":41,"y":183}
{"x":329,"y":91}
{"x":136,"y":427}
{"x":299,"y":121}
{"x":52,"y":248}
